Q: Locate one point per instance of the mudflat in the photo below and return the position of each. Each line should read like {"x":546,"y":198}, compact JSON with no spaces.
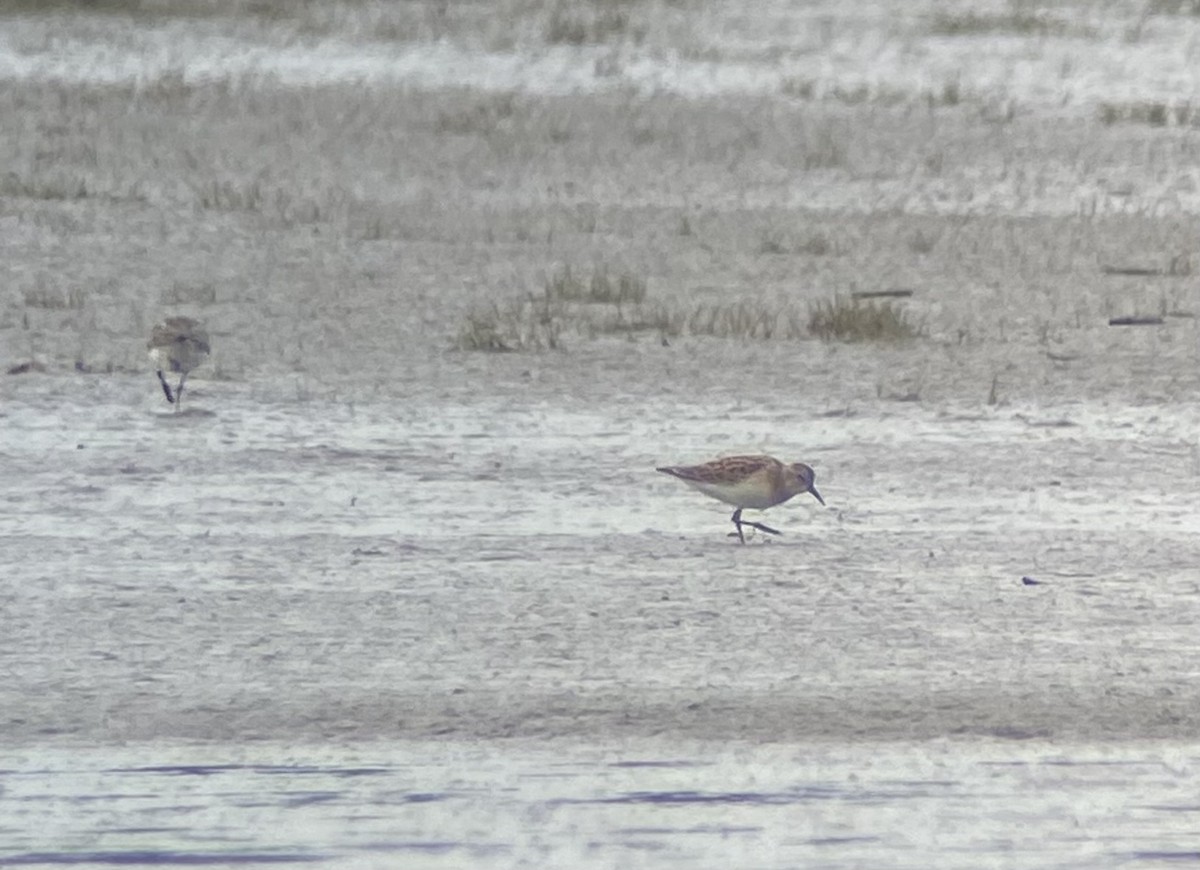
{"x":468,"y":279}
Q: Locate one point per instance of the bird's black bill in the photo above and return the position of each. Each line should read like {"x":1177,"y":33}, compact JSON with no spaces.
{"x":817,"y":495}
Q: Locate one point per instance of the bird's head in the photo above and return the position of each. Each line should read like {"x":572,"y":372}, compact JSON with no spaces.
{"x":804,"y":479}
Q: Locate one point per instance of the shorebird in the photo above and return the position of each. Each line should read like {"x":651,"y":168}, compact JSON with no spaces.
{"x":178,"y":344}
{"x":757,"y":482}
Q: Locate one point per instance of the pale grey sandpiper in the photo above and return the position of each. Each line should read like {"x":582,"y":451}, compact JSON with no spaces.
{"x":177,"y":345}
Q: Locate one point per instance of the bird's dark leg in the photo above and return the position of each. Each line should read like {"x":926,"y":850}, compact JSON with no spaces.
{"x":737,"y":524}
{"x":762,"y":528}
{"x":179,"y":391}
{"x":166,"y":387}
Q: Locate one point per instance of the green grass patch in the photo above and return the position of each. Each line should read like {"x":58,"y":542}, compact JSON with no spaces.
{"x":600,"y":288}
{"x":853,"y":320}
{"x":813,"y":245}
{"x":921,"y":243}
{"x":949,"y":94}
{"x":772,"y":243}
{"x":275,"y":203}
{"x":44,"y":187}
{"x":1150,"y":112}
{"x":54,"y":299}
{"x":591,"y":23}
{"x":1015,"y":22}
{"x":1172,"y":7}
{"x":744,"y":320}
{"x":106,"y":7}
{"x":225,"y":195}
{"x":629,"y":321}
{"x":616,"y":303}
{"x":183,"y":293}
{"x":523,"y":325}
{"x":568,"y":303}
{"x":799,"y":88}
{"x":153,"y":9}
{"x":825,"y":147}
{"x":480,"y":118}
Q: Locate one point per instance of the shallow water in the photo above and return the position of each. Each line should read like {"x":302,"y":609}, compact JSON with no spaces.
{"x":638,"y":803}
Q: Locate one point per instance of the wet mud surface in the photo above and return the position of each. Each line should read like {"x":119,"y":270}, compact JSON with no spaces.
{"x":486,"y":633}
{"x":516,"y":568}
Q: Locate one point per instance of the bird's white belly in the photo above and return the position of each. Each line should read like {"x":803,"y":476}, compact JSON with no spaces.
{"x":175,"y":359}
{"x":751,"y":493}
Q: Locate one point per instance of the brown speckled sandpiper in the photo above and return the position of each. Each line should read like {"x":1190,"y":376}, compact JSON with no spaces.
{"x":757,"y":482}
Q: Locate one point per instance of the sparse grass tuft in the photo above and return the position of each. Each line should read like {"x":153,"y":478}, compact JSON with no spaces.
{"x":920,"y":243}
{"x":159,"y":10}
{"x":569,"y":305}
{"x":276,"y":203}
{"x":230,"y":196}
{"x":1152,"y":113}
{"x":587,"y":218}
{"x":55,"y":300}
{"x":772,"y":243}
{"x":851,"y":96}
{"x":565,"y":285}
{"x":1172,"y":7}
{"x":566,"y":303}
{"x":575,"y":26}
{"x":815,"y":245}
{"x":1014,"y":22}
{"x":743,"y":320}
{"x":798,"y":88}
{"x":950,"y":95}
{"x":639,"y":318}
{"x":109,"y":7}
{"x":850,"y":320}
{"x":481,"y":118}
{"x":601,"y":289}
{"x":824,"y":148}
{"x":486,"y":331}
{"x":529,"y":324}
{"x":13,"y":185}
{"x":180,"y":293}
